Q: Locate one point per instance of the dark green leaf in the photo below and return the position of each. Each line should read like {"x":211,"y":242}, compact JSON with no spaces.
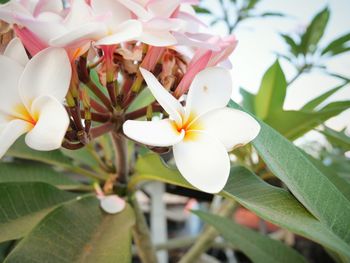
{"x":273,"y":204}
{"x":23,"y":205}
{"x":78,"y":231}
{"x":279,"y":207}
{"x":259,"y":248}
{"x":272,"y":92}
{"x":201,"y":10}
{"x":315,"y":31}
{"x":335,"y":44}
{"x":306,"y":182}
{"x":33,"y":172}
{"x":293,"y":46}
{"x":22,"y":151}
{"x":56,"y":158}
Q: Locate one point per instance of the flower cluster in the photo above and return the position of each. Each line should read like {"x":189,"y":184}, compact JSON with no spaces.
{"x":72,"y":72}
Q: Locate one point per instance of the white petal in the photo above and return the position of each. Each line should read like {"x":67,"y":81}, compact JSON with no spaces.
{"x":80,"y":35}
{"x":80,"y":12}
{"x":10,"y":132}
{"x":10,"y":73}
{"x":232,"y":127}
{"x":127,"y":31}
{"x":160,"y":133}
{"x":158,"y":8}
{"x":137,"y":9}
{"x":10,"y":11}
{"x":158,"y":38}
{"x":203,"y":161}
{"x":211,"y":89}
{"x":47,"y":73}
{"x":51,"y":127}
{"x":40,"y":27}
{"x":16,"y":51}
{"x":112,"y":204}
{"x":54,"y":6}
{"x":171,"y":105}
{"x":119,"y":13}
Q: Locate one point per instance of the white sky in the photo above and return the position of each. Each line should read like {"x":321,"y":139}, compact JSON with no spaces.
{"x":259,"y":38}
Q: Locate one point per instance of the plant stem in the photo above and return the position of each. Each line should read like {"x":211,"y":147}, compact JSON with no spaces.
{"x":142,"y":236}
{"x":121,"y":157}
{"x":206,"y":239}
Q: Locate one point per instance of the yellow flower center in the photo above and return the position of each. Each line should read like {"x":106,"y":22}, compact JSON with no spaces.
{"x":189,"y":125}
{"x":22,"y":113}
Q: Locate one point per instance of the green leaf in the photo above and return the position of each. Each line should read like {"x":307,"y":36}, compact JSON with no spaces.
{"x":311,"y":105}
{"x":82,"y":156}
{"x":257,"y":247}
{"x":272,"y":92}
{"x":278,"y":206}
{"x":4,"y":1}
{"x":315,"y":31}
{"x":33,"y":172}
{"x":342,"y":185}
{"x":293,"y":46}
{"x":23,"y":205}
{"x":78,"y":231}
{"x":339,"y":139}
{"x":248,"y":100}
{"x":339,"y":50}
{"x":144,"y":99}
{"x":293,"y":124}
{"x":56,"y":158}
{"x":201,"y":10}
{"x":4,"y":249}
{"x":150,"y":167}
{"x":336,"y":44}
{"x":268,"y":14}
{"x":22,"y":151}
{"x":271,"y":203}
{"x":306,"y":182}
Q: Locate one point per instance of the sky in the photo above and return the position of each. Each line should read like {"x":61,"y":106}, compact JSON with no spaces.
{"x":259,"y":39}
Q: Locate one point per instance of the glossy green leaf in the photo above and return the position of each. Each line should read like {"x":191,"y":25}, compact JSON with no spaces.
{"x":78,"y":231}
{"x":339,"y":139}
{"x":336,"y":44}
{"x":293,"y":124}
{"x":279,"y":207}
{"x":312,"y":104}
{"x":315,"y":31}
{"x":272,"y":92}
{"x":82,"y":156}
{"x":23,"y":205}
{"x":271,"y":203}
{"x":306,"y":182}
{"x":257,"y":247}
{"x":33,"y":172}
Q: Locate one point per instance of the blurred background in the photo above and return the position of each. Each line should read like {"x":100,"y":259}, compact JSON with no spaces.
{"x":260,"y":41}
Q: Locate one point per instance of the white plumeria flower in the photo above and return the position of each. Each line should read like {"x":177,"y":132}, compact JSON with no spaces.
{"x":31,"y":96}
{"x":201,"y":133}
